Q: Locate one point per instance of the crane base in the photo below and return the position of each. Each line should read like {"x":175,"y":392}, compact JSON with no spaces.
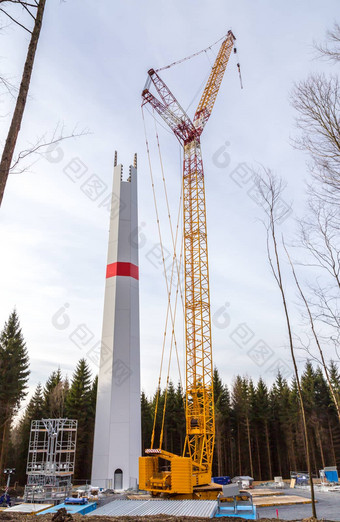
{"x":207,"y":492}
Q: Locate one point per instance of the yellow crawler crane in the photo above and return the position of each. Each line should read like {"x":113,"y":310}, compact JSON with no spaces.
{"x":189,"y":475}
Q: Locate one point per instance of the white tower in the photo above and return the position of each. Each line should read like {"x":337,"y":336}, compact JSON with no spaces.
{"x":117,"y":436}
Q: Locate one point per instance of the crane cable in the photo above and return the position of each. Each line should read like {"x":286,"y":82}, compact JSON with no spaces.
{"x":201,"y":85}
{"x":191,"y":56}
{"x":173,"y":342}
{"x":179,"y":287}
{"x":174,"y":239}
{"x":169,"y":309}
{"x":238,"y":67}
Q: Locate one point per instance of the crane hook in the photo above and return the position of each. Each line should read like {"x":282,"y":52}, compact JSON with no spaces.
{"x":239,"y":73}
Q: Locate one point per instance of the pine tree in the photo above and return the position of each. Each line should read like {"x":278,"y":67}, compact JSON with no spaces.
{"x":238,"y":418}
{"x":92,"y":418}
{"x":157,"y":407}
{"x":333,"y":420}
{"x":55,"y":394}
{"x":34,"y":411}
{"x":147,"y":421}
{"x":248,"y":392}
{"x":283,"y":434}
{"x":180,"y":420}
{"x":170,"y":419}
{"x":262,"y":409}
{"x":335,"y":379}
{"x":222,"y":425}
{"x":79,"y":407}
{"x":14,"y":373}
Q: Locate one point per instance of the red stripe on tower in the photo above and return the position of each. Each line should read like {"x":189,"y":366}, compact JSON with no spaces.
{"x":122,"y":269}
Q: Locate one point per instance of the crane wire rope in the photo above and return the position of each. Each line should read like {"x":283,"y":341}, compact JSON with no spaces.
{"x":179,"y":287}
{"x":173,"y":238}
{"x":169,"y":309}
{"x":191,"y":56}
{"x":199,"y":89}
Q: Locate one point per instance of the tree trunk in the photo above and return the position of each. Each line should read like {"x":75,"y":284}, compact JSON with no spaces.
{"x":232,"y":447}
{"x":268,"y":452}
{"x":239,"y":450}
{"x":292,"y":452}
{"x":12,"y":136}
{"x":332,"y":443}
{"x":314,"y":460}
{"x":219,"y":449}
{"x":258,"y":456}
{"x":249,"y":448}
{"x":317,"y":430}
{"x":307,"y":445}
{"x":5,"y":437}
{"x":278,"y":455}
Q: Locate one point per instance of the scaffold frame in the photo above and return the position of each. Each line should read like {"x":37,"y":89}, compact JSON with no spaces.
{"x":51,"y":457}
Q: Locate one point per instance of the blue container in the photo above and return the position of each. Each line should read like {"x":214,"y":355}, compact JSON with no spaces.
{"x":222,"y":481}
{"x":302,"y":480}
{"x":79,"y":501}
{"x":72,"y":508}
{"x":332,"y":476}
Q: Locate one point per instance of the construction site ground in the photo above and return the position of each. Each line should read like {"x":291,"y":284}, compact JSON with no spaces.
{"x":16,"y":517}
{"x":328,"y":509}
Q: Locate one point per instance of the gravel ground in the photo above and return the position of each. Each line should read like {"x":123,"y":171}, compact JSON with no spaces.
{"x":327,"y":507}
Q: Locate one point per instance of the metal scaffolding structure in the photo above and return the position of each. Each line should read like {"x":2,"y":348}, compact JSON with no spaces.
{"x":50,"y":462}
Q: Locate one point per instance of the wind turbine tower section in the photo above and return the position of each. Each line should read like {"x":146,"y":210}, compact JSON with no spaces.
{"x":117,"y":437}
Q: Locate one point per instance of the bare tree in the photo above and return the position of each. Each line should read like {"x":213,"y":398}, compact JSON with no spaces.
{"x":320,"y":236}
{"x":331,"y":49}
{"x":317,"y":102}
{"x":270,"y":190}
{"x":314,"y":332}
{"x":36,"y":11}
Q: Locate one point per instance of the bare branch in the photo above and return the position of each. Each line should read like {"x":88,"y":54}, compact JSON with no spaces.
{"x":317,"y":102}
{"x":320,"y":236}
{"x":9,"y":87}
{"x":26,"y":8}
{"x":41,"y":144}
{"x":312,"y":326}
{"x":333,"y":38}
{"x":21,"y":2}
{"x":14,"y":20}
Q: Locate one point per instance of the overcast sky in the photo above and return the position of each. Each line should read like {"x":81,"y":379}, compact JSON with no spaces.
{"x":90,"y":69}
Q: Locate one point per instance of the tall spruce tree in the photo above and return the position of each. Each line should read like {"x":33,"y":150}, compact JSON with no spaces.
{"x":92,"y":418}
{"x":263,"y":420}
{"x":51,"y":388}
{"x":79,"y":406}
{"x":222,"y":425}
{"x":34,"y":411}
{"x":14,"y":373}
{"x":147,"y":421}
{"x":180,"y":419}
{"x":170,"y":419}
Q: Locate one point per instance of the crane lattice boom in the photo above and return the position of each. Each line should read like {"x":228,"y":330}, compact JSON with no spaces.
{"x":194,"y":467}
